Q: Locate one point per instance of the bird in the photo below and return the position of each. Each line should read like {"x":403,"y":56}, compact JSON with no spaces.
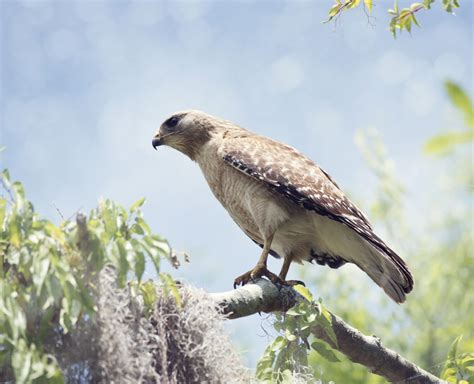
{"x":283,"y":201}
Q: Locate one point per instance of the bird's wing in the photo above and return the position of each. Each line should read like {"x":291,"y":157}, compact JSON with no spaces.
{"x":291,"y":174}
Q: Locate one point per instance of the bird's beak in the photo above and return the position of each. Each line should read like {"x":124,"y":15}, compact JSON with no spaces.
{"x":156,"y":142}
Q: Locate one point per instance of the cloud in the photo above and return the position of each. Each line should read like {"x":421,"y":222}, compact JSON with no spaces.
{"x":188,"y":11}
{"x":359,"y":35}
{"x":93,"y":11}
{"x":325,"y":117}
{"x":449,"y":65}
{"x":286,"y":74}
{"x":420,"y":96}
{"x":37,"y":12}
{"x":145,"y":14}
{"x":26,"y":64}
{"x":393,"y":67}
{"x":62,"y":44}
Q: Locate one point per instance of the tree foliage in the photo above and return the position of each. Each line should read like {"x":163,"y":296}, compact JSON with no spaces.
{"x":48,"y":275}
{"x":50,"y":282}
{"x":424,"y":330}
{"x":437,"y":245}
{"x":288,"y":353}
{"x":401,"y":19}
{"x":446,"y":142}
{"x":459,"y":368}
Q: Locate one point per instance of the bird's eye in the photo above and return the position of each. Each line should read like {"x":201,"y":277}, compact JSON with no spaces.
{"x":172,"y":121}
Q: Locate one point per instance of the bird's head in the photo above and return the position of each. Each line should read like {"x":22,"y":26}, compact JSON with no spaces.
{"x":186,"y":131}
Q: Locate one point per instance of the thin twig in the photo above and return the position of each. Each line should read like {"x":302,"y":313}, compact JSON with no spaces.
{"x":409,"y":13}
{"x":59,"y":212}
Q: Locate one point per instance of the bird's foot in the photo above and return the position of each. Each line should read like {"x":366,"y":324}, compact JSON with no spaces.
{"x":259,"y":271}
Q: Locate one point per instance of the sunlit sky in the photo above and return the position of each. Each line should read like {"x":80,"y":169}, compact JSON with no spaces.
{"x":85,"y":84}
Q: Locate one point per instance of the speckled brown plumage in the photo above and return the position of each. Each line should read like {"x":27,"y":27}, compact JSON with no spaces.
{"x":283,"y":201}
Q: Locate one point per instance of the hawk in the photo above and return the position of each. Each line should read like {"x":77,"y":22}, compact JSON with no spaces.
{"x":283,"y":201}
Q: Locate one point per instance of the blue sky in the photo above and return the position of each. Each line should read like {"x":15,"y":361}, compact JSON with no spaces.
{"x":84,"y":85}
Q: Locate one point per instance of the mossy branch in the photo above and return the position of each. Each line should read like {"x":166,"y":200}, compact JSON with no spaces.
{"x":264,"y":296}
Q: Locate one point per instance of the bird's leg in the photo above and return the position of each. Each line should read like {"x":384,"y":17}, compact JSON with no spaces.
{"x":284,"y":270}
{"x":285,"y":267}
{"x":260,"y":269}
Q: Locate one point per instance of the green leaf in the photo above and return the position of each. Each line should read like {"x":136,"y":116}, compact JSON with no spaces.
{"x":152,"y":253}
{"x":286,"y":376}
{"x":293,"y":311}
{"x":461,"y":100}
{"x":145,"y":227}
{"x":5,"y":175}
{"x":303,"y":291}
{"x":21,"y":362}
{"x":453,"y":349}
{"x":468,"y":362}
{"x":14,"y":230}
{"x":3,"y":208}
{"x":413,"y":18}
{"x":86,"y":297}
{"x":109,"y":218}
{"x":290,"y":336}
{"x":325,"y":351}
{"x":427,"y":3}
{"x":264,"y":371}
{"x":352,"y":3}
{"x":458,"y":366}
{"x":445,"y":143}
{"x":170,"y":286}
{"x":278,"y":344}
{"x":368,"y":5}
{"x":449,"y":5}
{"x":325,"y":320}
{"x":75,"y":311}
{"x":135,"y":228}
{"x":53,"y":231}
{"x":40,"y":270}
{"x":123,"y":263}
{"x":335,"y":9}
{"x":54,"y":288}
{"x":18,"y":190}
{"x":136,"y":205}
{"x":139,"y":265}
{"x":148,"y":292}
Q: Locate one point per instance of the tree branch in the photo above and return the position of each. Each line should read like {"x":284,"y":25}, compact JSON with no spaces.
{"x":264,"y":296}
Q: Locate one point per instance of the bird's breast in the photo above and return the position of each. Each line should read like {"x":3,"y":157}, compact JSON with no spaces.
{"x":256,"y":209}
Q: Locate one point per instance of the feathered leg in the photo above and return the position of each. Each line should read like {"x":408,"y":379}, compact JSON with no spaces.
{"x":260,"y":269}
{"x":284,"y":270}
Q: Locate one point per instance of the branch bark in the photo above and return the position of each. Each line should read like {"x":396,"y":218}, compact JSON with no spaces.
{"x":264,"y":296}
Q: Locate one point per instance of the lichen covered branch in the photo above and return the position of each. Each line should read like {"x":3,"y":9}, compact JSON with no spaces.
{"x":264,"y":296}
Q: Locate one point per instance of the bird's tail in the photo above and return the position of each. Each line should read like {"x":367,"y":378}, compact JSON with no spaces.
{"x":389,"y":271}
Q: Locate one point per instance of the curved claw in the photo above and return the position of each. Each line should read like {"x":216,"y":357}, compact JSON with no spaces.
{"x":242,"y":279}
{"x":292,"y":283}
{"x":259,"y":271}
{"x":250,"y":276}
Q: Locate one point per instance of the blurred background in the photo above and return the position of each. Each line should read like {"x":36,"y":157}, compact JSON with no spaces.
{"x":85,"y":84}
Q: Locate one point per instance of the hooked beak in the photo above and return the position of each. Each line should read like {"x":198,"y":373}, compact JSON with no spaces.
{"x":156,"y":142}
